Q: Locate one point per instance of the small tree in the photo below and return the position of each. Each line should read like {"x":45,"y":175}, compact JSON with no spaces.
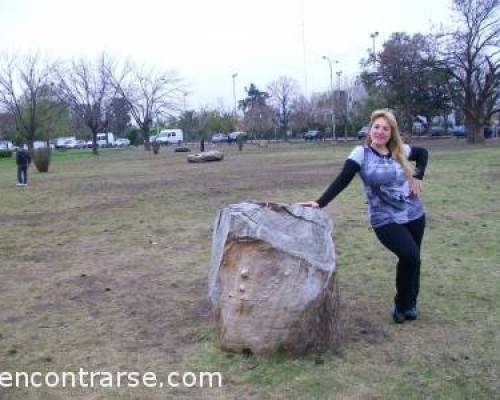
{"x":149,"y":94}
{"x":26,"y":92}
{"x":283,"y":91}
{"x":301,"y":114}
{"x":258,"y":116}
{"x":84,"y":85}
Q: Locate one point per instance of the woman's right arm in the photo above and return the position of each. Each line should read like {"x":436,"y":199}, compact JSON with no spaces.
{"x":345,"y":177}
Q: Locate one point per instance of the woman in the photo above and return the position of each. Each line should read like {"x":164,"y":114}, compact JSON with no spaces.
{"x":393,"y":189}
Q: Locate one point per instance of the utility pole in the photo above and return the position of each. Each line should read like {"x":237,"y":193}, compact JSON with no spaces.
{"x":332,"y":93}
{"x":234,"y":94}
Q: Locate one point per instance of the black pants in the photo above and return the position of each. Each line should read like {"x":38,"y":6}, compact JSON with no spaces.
{"x":22,"y":174}
{"x":404,"y":241}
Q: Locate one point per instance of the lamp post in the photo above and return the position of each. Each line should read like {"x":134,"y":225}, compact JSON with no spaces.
{"x":373,"y":35}
{"x":185,"y":95}
{"x":234,"y":94}
{"x":330,"y":61}
{"x":340,"y":102}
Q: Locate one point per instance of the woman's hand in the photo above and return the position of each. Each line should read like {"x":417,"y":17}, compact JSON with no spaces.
{"x":311,"y":204}
{"x":416,"y":187}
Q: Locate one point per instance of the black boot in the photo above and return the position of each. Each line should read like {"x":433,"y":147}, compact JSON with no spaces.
{"x":412,"y":313}
{"x":398,"y":316}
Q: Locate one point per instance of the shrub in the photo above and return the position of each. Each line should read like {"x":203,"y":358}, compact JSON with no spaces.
{"x":239,"y":141}
{"x":5,"y":153}
{"x":41,"y":158}
{"x":156,"y":147}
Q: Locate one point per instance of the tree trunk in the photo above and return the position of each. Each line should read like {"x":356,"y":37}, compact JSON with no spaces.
{"x":474,"y":131}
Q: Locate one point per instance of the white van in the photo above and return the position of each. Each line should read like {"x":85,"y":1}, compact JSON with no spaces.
{"x":170,"y":136}
{"x":105,"y":139}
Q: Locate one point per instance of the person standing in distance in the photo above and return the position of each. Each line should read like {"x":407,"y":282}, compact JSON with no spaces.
{"x":393,"y":188}
{"x":23,"y":160}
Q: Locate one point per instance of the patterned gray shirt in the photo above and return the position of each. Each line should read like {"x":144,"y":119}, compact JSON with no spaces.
{"x":386,"y":187}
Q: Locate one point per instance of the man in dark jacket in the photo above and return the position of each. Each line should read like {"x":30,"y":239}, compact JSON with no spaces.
{"x":23,"y":160}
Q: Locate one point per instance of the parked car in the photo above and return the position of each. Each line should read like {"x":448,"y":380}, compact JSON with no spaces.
{"x":105,"y":139}
{"x":170,"y":136}
{"x":363,"y":132}
{"x":69,"y":144}
{"x":233,"y":136}
{"x":459,"y":131}
{"x":81,"y":144}
{"x":122,"y":142}
{"x":312,"y":135}
{"x":488,"y":132}
{"x":219,"y":138}
{"x":6,"y":145}
{"x":438,"y":131}
{"x":60,"y":142}
{"x":418,"y":128}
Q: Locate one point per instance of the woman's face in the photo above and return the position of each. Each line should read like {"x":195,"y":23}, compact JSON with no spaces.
{"x":380,"y":132}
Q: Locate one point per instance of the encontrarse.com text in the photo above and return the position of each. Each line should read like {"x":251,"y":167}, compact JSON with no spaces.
{"x":102,"y":379}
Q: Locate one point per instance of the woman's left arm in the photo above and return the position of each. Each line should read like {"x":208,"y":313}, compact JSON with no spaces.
{"x":420,"y":156}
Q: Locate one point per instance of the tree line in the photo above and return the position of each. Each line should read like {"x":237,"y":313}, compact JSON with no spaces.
{"x":42,"y":99}
{"x":418,"y":75}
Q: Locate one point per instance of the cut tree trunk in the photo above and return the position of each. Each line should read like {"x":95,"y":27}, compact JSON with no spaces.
{"x":206,"y":156}
{"x":272,"y":279}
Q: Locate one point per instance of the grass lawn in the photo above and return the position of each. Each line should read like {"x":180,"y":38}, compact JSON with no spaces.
{"x":104,"y":265}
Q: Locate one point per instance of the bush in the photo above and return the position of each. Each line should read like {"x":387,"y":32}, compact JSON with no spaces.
{"x":41,"y":158}
{"x":134,"y":137}
{"x":156,"y":147}
{"x":5,"y":153}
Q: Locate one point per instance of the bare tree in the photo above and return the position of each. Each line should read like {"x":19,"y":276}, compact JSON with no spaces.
{"x":25,"y":93}
{"x":283,"y":91}
{"x":472,"y":58}
{"x":85,"y":86}
{"x":302,"y":113}
{"x":149,"y":93}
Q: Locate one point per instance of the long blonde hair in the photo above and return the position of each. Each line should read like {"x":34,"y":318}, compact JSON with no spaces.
{"x":395,"y":144}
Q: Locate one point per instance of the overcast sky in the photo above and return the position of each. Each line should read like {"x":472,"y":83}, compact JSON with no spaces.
{"x":207,"y":41}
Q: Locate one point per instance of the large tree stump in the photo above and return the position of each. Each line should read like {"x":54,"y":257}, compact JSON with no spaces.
{"x":213,"y":155}
{"x":272,"y":279}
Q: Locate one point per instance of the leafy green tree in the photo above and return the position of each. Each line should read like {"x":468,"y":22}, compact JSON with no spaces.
{"x":258,"y":115}
{"x":406,"y":77}
{"x":362,"y":110}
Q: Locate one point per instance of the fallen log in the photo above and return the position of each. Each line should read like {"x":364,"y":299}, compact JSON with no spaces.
{"x":213,"y":155}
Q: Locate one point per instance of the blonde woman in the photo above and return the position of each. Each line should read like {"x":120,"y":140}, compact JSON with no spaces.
{"x":393,"y":189}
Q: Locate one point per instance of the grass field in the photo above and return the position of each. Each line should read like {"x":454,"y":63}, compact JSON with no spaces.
{"x":104,"y":265}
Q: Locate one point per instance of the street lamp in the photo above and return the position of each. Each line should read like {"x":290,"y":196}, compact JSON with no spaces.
{"x":373,"y":35}
{"x":185,"y":95}
{"x":234,"y":93}
{"x":338,"y":79}
{"x":330,"y":61}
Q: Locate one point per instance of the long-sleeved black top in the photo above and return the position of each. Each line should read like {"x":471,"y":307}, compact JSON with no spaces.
{"x":351,"y":167}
